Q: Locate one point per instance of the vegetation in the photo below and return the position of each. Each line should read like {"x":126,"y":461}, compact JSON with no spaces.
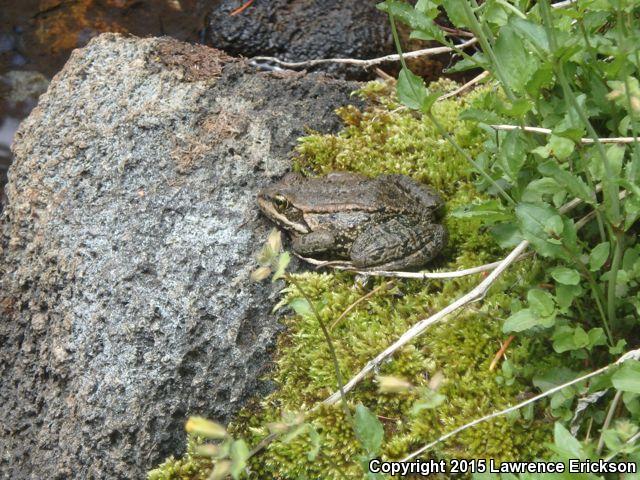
{"x":571,"y":309}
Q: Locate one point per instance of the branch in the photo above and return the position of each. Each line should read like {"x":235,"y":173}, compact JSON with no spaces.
{"x":632,"y":355}
{"x":466,"y":86}
{"x":365,"y":63}
{"x":413,"y":275}
{"x":548,"y":131}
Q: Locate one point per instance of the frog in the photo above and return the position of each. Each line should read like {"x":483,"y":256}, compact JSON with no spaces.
{"x":388,"y":222}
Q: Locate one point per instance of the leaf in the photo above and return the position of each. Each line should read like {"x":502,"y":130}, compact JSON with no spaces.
{"x":205,"y":428}
{"x":489,"y":211}
{"x":517,"y":64}
{"x":566,"y":444}
{"x":239,"y":457}
{"x":368,"y":429}
{"x":541,"y":302}
{"x":412,"y":91}
{"x":598,"y":256}
{"x":561,"y":147}
{"x":566,"y":276}
{"x":495,"y":13}
{"x":507,"y":235}
{"x":512,"y":153}
{"x":260,"y":274}
{"x":520,"y":321}
{"x":563,"y":339}
{"x":574,"y":184}
{"x":536,"y":189}
{"x":565,"y":294}
{"x":419,"y":19}
{"x":283,"y":262}
{"x":627,"y":378}
{"x":220,"y":470}
{"x":542,"y":226}
{"x":301,"y":307}
{"x":316,"y":442}
{"x":428,"y":401}
{"x":455,"y":12}
{"x":533,"y":33}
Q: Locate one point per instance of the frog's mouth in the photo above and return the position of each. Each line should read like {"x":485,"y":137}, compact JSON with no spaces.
{"x":278,"y":209}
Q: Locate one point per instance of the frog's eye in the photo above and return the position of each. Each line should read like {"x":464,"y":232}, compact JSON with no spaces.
{"x":280,"y":202}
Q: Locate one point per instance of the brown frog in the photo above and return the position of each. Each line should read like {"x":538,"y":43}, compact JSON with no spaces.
{"x":388,"y":222}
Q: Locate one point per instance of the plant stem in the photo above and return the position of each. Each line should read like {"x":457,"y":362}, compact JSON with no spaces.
{"x":440,"y":128}
{"x":595,"y":290}
{"x":476,"y":28}
{"x":609,"y":189}
{"x":332,"y":350}
{"x":607,"y":420}
{"x":448,"y":137}
{"x":613,"y":277}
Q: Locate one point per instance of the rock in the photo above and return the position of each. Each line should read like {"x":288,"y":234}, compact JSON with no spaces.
{"x":127,"y":242}
{"x":295,"y":30}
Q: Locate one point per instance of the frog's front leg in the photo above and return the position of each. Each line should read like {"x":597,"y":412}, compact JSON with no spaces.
{"x":317,"y":244}
{"x":398,"y":244}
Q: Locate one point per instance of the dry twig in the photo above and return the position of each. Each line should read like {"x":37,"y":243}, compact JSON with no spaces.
{"x":632,"y":355}
{"x":548,"y":131}
{"x":366,"y":63}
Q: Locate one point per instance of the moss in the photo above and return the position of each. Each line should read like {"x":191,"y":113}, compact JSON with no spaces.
{"x":387,"y":138}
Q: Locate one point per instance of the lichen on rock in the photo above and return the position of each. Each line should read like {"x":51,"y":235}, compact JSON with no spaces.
{"x":386,"y":138}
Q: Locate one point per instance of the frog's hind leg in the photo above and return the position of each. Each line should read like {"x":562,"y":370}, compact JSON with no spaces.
{"x":397,"y":245}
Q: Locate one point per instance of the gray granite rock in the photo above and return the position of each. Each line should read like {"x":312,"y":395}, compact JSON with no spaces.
{"x":127,"y":241}
{"x":296,"y":30}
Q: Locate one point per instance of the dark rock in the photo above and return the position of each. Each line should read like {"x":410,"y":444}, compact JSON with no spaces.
{"x":295,"y":30}
{"x":127,"y":242}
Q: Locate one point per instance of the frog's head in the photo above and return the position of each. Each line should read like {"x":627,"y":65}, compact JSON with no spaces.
{"x":278,"y":203}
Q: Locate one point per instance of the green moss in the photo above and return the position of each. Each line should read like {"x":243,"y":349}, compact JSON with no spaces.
{"x":387,"y":138}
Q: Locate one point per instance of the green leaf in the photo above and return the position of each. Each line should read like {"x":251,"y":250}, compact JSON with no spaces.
{"x":413,"y":93}
{"x":495,"y":13}
{"x":533,"y":33}
{"x":627,"y":378}
{"x":541,"y":302}
{"x":520,"y":321}
{"x":368,"y":429}
{"x":429,"y":404}
{"x":489,"y":211}
{"x":239,"y":457}
{"x":542,"y":226}
{"x":566,"y":294}
{"x":536,"y":189}
{"x":566,"y":276}
{"x":517,"y":64}
{"x":283,"y":262}
{"x":563,"y":339}
{"x":561,"y":147}
{"x":428,"y":7}
{"x":507,"y":235}
{"x":316,"y":442}
{"x":301,"y":307}
{"x":598,"y":256}
{"x":419,"y":19}
{"x":574,"y":184}
{"x":512,"y":153}
{"x":455,"y":12}
{"x":566,"y":444}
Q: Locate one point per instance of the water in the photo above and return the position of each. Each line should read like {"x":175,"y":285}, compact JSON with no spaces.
{"x":37,"y":36}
